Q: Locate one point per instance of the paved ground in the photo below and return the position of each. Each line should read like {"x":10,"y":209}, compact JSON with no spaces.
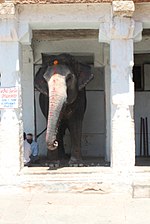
{"x":79,"y":195}
{"x":39,"y":206}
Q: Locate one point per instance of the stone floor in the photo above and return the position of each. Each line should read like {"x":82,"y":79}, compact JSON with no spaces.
{"x":39,"y":206}
{"x":90,"y":162}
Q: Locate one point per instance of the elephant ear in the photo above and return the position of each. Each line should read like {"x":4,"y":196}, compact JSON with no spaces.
{"x":39,"y":81}
{"x":84,"y":75}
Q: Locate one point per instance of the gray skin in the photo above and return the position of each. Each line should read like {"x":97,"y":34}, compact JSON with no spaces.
{"x":65,"y":87}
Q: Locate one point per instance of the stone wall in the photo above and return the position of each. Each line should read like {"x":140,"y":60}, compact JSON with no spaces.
{"x":65,"y":1}
{"x":59,"y":1}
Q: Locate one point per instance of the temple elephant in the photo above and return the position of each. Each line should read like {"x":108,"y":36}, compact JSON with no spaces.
{"x":61,"y":81}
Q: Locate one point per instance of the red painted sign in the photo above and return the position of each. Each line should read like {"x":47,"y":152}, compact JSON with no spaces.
{"x":8,"y":97}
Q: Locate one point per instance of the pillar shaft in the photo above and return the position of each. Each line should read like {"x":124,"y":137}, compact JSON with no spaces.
{"x":119,"y":33}
{"x":11,"y":131}
{"x":122,"y":101}
{"x":107,"y":101}
{"x":13,"y":34}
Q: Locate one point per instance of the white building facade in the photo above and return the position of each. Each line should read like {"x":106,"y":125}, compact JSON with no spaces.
{"x":119,"y":25}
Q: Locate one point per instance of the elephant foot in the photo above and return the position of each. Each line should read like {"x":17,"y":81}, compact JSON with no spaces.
{"x":54,"y":164}
{"x":76,"y":162}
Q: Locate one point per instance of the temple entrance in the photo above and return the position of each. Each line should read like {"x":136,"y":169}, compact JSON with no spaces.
{"x":84,"y":46}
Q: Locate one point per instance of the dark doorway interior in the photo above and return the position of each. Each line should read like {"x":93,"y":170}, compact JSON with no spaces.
{"x":141,"y":78}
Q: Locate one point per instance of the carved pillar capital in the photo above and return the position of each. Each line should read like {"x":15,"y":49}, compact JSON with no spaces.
{"x":10,"y":31}
{"x":8,"y":22}
{"x":7,"y":8}
{"x":121,"y":28}
{"x":121,"y":25}
{"x":11,"y":28}
{"x":24,"y":33}
{"x":123,"y":8}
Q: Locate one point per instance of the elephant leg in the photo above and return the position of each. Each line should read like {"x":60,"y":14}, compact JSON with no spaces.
{"x":75,"y":129}
{"x":52,"y":155}
{"x":60,"y":136}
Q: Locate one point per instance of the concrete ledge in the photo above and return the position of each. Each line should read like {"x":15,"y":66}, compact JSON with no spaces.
{"x":141,"y":182}
{"x":142,"y":169}
{"x":65,"y":170}
{"x":141,"y":191}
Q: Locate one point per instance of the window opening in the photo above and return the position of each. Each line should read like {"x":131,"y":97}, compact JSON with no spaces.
{"x":138,"y":78}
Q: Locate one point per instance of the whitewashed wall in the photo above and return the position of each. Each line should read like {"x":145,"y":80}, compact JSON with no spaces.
{"x":27,"y":90}
{"x":77,"y":17}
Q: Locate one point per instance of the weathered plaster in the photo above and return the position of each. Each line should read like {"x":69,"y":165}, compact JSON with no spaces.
{"x":64,"y":16}
{"x":11,"y":119}
{"x":142,"y":14}
{"x":120,"y":31}
{"x":11,"y":126}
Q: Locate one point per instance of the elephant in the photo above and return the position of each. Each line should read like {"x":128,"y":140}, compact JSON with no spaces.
{"x":61,"y":82}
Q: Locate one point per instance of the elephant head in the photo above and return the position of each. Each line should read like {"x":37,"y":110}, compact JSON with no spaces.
{"x":61,"y":78}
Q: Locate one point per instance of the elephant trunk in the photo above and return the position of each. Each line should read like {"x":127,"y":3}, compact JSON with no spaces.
{"x":57,"y":97}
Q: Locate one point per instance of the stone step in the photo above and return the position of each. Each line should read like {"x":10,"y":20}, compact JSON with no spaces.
{"x":141,"y":191}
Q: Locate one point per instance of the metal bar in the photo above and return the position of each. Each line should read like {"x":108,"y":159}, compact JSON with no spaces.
{"x":147,"y":150}
{"x":141,"y":133}
{"x":35,"y":120}
{"x":144,"y":140}
{"x":41,"y":133}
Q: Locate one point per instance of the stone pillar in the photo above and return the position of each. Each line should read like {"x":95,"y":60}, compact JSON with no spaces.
{"x":120,"y":33}
{"x":122,"y":97}
{"x":11,"y":127}
{"x":11,"y":131}
{"x":107,"y":100}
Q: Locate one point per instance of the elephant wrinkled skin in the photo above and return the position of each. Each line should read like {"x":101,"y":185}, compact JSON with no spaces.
{"x":61,"y":81}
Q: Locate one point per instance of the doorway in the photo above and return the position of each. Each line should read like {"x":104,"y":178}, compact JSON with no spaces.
{"x":141,"y":77}
{"x":84,"y":46}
